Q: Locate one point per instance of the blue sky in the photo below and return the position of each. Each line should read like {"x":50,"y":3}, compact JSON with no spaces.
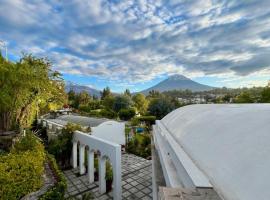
{"x":135,"y":44}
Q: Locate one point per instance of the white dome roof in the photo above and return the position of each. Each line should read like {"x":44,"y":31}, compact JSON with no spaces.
{"x":229,"y":143}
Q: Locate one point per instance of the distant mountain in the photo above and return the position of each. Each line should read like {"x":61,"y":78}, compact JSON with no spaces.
{"x":178,"y":82}
{"x":79,"y":88}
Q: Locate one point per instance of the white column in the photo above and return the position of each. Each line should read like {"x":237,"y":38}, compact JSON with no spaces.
{"x":101,"y":174}
{"x":44,"y":123}
{"x":117,"y":174}
{"x":91,"y":166}
{"x":82,"y":159}
{"x":74,"y":155}
{"x":49,"y":126}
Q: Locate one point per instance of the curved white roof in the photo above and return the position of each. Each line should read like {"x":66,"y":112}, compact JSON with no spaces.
{"x":229,"y":143}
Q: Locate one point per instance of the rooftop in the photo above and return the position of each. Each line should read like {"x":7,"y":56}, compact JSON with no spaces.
{"x":229,"y":144}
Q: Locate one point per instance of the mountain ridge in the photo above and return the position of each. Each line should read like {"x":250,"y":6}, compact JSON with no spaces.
{"x":178,"y":82}
{"x":79,"y":88}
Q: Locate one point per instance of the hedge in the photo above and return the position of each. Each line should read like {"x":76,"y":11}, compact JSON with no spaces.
{"x":21,"y":170}
{"x":58,"y":190}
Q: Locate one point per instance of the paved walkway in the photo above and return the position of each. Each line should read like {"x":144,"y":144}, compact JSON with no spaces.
{"x":136,"y":180}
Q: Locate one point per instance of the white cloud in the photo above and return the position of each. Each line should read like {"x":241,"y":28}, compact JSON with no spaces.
{"x":137,"y":41}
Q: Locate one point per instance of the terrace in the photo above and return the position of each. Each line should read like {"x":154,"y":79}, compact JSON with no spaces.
{"x":132,"y":177}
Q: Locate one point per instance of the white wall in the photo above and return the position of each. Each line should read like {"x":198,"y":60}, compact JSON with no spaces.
{"x":110,"y":131}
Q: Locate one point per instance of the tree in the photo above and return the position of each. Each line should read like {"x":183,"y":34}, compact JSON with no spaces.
{"x":154,"y":94}
{"x":27,"y":87}
{"x":106,"y":93}
{"x":108,"y":102}
{"x":160,"y":107}
{"x":140,"y":102}
{"x":244,"y":97}
{"x":84,"y":98}
{"x":265,"y":95}
{"x":121,"y":102}
{"x":127,"y":93}
{"x":126,"y":114}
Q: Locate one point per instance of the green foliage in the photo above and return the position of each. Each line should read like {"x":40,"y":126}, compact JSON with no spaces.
{"x":121,"y":102}
{"x":108,"y":113}
{"x":27,"y":87}
{"x":265,"y":95}
{"x":109,"y":171}
{"x":27,"y":143}
{"x":108,"y":102}
{"x":21,"y":170}
{"x":94,"y":113}
{"x":160,"y":107}
{"x":140,"y":102}
{"x":148,"y":120}
{"x":94,"y":104}
{"x":61,"y":147}
{"x":126,"y":114}
{"x":127,"y":93}
{"x":84,"y":108}
{"x":106,"y":93}
{"x":57,"y":192}
{"x":244,"y":97}
{"x":140,"y":145}
{"x":135,"y":121}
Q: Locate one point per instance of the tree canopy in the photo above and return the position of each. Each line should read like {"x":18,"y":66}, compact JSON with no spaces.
{"x":27,"y":87}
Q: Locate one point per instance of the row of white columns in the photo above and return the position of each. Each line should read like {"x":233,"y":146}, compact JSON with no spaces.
{"x":90,"y":165}
{"x":107,"y":150}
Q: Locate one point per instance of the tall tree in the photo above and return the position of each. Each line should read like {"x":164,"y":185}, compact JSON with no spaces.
{"x":265,"y":95}
{"x":121,"y":102}
{"x":26,"y":87}
{"x":127,"y":93}
{"x":106,"y":93}
{"x":140,"y":102}
{"x":160,"y":107}
{"x":244,"y":97}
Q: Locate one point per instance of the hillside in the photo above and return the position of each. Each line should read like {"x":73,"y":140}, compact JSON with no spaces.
{"x":178,"y":82}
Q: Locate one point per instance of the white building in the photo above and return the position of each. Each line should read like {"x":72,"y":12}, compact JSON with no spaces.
{"x":213,"y":151}
{"x":102,"y":128}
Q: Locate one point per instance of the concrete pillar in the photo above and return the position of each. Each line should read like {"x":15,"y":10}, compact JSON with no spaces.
{"x":82,"y":159}
{"x":91,"y":166}
{"x":117,"y":174}
{"x":44,"y":123}
{"x":74,"y":155}
{"x":49,"y":126}
{"x":101,"y":174}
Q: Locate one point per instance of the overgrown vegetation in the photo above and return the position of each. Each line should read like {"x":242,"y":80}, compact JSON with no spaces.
{"x":61,"y":147}
{"x":140,"y":145}
{"x":22,"y":168}
{"x":27,"y":87}
{"x":58,"y":190}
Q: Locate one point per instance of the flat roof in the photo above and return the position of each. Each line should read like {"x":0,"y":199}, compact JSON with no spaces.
{"x":230,"y":143}
{"x":83,"y":121}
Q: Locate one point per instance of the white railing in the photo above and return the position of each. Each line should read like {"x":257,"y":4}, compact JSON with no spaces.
{"x":106,"y":149}
{"x":178,"y":169}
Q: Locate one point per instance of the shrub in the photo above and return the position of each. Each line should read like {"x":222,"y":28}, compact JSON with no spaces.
{"x":135,"y":121}
{"x":84,"y":108}
{"x":160,"y":107}
{"x":108,"y":114}
{"x":94,"y":113}
{"x":58,"y":190}
{"x":21,"y":170}
{"x":149,"y":120}
{"x":126,"y":114}
{"x":140,"y":145}
{"x":61,"y":147}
